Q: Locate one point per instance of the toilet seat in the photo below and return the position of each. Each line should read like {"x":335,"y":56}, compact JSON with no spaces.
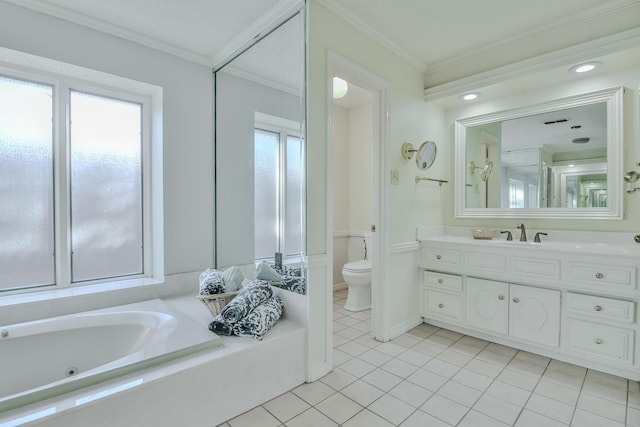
{"x":360,"y":266}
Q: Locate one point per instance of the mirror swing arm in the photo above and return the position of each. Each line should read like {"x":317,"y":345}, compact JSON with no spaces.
{"x":425,"y":158}
{"x":612,"y":98}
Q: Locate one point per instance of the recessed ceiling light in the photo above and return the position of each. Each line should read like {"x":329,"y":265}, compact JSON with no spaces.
{"x":340,"y":87}
{"x":585,"y":67}
{"x":470,"y":96}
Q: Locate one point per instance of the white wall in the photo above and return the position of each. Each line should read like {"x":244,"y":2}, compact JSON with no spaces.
{"x":340,"y":118}
{"x":406,"y":206}
{"x":359,"y":171}
{"x":187,"y":124}
{"x":352,"y":177}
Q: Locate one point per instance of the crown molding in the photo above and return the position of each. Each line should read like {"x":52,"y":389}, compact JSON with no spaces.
{"x":267,"y":23}
{"x":585,"y":16}
{"x":257,"y":30}
{"x":335,"y":7}
{"x":107,"y":28}
{"x":574,"y":54}
{"x":243,"y":74}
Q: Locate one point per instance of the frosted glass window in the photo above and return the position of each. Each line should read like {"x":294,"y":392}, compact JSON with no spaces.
{"x":106,"y":187}
{"x":516,"y":193}
{"x":266,"y":193}
{"x":26,"y":184}
{"x":293,"y":201}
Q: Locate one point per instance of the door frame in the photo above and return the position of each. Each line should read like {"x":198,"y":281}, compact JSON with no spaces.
{"x":365,"y":79}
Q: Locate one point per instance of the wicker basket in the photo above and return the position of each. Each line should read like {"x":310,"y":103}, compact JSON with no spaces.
{"x":216,"y":302}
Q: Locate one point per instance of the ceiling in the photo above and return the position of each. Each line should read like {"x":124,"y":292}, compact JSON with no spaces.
{"x":444,"y":39}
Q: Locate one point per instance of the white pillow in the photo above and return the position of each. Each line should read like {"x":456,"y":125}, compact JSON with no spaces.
{"x":266,"y":272}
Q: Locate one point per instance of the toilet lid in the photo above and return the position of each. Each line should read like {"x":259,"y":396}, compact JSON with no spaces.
{"x":358,"y":266}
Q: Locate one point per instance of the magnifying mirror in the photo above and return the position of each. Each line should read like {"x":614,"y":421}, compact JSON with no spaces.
{"x":486,"y":171}
{"x":426,"y":155}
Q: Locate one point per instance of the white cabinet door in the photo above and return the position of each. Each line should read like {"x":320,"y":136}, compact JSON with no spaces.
{"x":487,"y":305}
{"x":534,"y":314}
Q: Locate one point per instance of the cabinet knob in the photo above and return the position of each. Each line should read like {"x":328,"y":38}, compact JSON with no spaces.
{"x":516,"y":300}
{"x":440,"y":280}
{"x":598,"y":341}
{"x":599,"y":275}
{"x":598,"y":308}
{"x":438,"y":256}
{"x":440,"y":305}
{"x":500,"y":297}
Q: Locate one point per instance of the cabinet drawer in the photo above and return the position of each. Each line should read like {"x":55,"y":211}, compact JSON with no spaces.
{"x":535,"y":267}
{"x":443,"y":305}
{"x":443,"y":281}
{"x":441,"y":257}
{"x":602,"y":308}
{"x":621,"y":277}
{"x":480,"y":261}
{"x":606,"y":341}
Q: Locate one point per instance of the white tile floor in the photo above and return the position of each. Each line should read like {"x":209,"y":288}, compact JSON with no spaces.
{"x":437,"y":378}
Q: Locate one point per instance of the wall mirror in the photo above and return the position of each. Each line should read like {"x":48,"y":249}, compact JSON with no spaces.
{"x":260,"y":150}
{"x":560,"y":159}
{"x":426,"y":155}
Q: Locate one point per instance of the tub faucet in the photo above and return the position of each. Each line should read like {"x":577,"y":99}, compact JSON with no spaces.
{"x":523,"y":233}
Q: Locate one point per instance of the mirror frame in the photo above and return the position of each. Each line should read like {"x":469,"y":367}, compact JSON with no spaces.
{"x":614,"y":210}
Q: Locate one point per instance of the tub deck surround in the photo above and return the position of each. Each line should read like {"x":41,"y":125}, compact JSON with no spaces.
{"x":199,"y":389}
{"x":575,"y":300}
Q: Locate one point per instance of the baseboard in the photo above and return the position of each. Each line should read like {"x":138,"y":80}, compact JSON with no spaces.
{"x":403,"y":327}
{"x":340,"y":286}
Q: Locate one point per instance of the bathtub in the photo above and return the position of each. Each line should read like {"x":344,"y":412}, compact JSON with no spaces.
{"x":49,"y":357}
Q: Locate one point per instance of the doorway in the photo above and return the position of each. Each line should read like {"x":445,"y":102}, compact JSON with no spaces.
{"x":357,"y":191}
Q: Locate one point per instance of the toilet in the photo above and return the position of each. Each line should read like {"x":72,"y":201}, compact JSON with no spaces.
{"x":357,"y":275}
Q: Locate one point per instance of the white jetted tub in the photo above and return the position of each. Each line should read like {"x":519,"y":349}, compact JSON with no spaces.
{"x":45,"y":358}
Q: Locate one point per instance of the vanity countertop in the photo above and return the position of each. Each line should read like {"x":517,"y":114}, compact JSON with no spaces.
{"x":585,"y":242}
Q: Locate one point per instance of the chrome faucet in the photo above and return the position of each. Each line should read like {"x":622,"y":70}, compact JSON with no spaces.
{"x":523,"y":233}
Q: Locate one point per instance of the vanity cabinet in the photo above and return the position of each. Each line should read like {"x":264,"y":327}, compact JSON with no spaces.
{"x":441,"y":296}
{"x":576,"y":307}
{"x":599,"y":327}
{"x":534,"y":314}
{"x":487,"y":305}
{"x":522,"y":312}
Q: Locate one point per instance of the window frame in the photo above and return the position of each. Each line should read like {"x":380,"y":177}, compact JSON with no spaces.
{"x":285,"y":128}
{"x":67,"y":78}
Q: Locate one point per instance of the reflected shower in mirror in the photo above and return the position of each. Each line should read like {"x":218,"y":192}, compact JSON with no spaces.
{"x":558,"y":159}
{"x":260,"y":153}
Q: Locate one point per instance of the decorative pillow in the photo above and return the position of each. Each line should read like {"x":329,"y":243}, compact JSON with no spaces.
{"x":266,"y":272}
{"x":260,"y":320}
{"x":211,"y":282}
{"x":220,"y":327}
{"x":294,"y":284}
{"x":244,"y":303}
{"x":232,"y":278}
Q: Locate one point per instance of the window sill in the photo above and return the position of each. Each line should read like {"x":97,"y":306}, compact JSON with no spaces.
{"x":19,"y":308}
{"x":70,"y":292}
